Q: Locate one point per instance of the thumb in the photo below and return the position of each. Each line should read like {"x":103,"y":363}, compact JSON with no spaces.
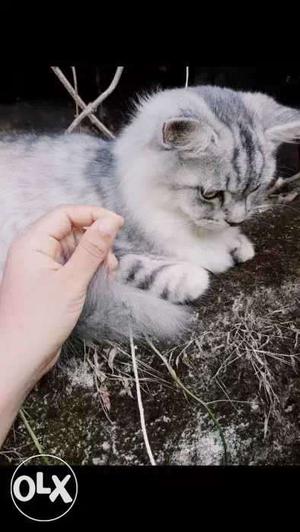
{"x":92,"y":249}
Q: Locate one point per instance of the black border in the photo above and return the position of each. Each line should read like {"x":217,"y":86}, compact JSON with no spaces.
{"x":110,"y":493}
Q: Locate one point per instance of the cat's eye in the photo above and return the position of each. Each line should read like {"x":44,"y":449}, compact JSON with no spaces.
{"x":211,"y":194}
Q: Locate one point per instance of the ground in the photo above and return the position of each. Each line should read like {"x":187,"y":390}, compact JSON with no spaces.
{"x":241,"y":363}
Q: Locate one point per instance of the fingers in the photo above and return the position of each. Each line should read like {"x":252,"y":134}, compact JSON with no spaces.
{"x":93,"y":249}
{"x":60,"y":221}
{"x":111,"y":263}
{"x":51,"y":233}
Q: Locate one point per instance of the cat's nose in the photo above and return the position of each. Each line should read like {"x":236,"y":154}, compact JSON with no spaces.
{"x":236,"y":213}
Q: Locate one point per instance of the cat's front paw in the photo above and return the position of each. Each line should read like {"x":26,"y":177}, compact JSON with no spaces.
{"x":243,"y":251}
{"x":185,"y":283}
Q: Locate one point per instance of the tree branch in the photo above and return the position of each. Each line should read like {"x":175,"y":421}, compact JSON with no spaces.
{"x":57,"y":71}
{"x":91,"y":107}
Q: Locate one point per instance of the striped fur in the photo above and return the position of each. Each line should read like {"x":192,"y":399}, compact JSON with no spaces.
{"x":190,"y":164}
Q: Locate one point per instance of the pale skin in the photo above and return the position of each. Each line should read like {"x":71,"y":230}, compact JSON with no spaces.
{"x":42,"y":293}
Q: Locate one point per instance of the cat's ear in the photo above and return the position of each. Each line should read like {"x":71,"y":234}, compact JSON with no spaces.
{"x":280,"y":123}
{"x":188,"y":135}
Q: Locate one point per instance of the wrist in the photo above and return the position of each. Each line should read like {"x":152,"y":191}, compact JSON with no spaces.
{"x":19,"y":368}
{"x":15,"y":384}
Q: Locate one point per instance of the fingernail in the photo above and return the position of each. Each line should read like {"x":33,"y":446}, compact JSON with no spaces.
{"x":120,"y":220}
{"x":106,"y":226}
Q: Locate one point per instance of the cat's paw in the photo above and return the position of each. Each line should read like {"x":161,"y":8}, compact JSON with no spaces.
{"x":184,"y":283}
{"x":224,"y":250}
{"x":243,"y":251}
{"x":178,"y":282}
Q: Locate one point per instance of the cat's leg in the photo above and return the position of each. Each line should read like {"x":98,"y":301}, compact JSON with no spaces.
{"x":243,"y":249}
{"x":221,"y":251}
{"x":176,"y":281}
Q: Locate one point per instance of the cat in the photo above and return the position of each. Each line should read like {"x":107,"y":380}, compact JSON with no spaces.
{"x":191,"y":165}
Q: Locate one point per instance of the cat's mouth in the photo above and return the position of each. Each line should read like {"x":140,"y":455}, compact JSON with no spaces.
{"x":211,"y":224}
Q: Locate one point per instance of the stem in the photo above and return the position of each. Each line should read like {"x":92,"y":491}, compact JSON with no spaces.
{"x":191,"y":394}
{"x":139,"y":399}
{"x":32,"y":435}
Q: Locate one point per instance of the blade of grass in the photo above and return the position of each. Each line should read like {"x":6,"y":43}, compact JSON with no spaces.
{"x":195,"y":397}
{"x":139,"y":400}
{"x":32,"y":435}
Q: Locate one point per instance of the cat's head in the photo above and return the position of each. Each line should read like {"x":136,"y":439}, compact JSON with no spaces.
{"x":217,"y":149}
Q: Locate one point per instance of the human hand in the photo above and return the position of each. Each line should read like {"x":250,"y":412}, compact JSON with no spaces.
{"x":42,"y":294}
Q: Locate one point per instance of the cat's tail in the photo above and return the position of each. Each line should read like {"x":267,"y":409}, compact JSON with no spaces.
{"x":112,"y":308}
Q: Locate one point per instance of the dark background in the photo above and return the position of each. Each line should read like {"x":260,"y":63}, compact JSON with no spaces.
{"x":31,"y":82}
{"x":39,"y":83}
{"x":32,"y":97}
{"x":109,"y":494}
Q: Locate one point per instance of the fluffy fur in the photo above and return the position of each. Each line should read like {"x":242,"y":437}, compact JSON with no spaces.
{"x":191,"y":165}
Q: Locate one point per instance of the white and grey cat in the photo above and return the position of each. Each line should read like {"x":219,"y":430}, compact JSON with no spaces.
{"x":191,"y":164}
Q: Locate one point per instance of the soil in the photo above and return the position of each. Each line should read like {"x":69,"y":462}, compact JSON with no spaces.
{"x":88,"y":424}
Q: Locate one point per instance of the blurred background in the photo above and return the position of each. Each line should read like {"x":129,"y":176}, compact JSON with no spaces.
{"x":33,"y":99}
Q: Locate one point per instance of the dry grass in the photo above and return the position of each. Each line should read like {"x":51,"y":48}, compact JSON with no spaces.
{"x":259,"y":335}
{"x":256,"y":336}
{"x":235,"y":357}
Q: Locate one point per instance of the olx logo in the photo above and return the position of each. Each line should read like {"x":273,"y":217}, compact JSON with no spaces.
{"x":44,"y":493}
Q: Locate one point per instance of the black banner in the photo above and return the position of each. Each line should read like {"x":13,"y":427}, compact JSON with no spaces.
{"x":106,"y":493}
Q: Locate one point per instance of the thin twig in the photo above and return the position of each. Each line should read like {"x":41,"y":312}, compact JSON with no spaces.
{"x":76,"y":90}
{"x":32,"y":435}
{"x":92,"y":107}
{"x":187,"y":75}
{"x":281,"y":182}
{"x":93,"y":366}
{"x":62,"y":78}
{"x":191,"y":394}
{"x":139,"y":399}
